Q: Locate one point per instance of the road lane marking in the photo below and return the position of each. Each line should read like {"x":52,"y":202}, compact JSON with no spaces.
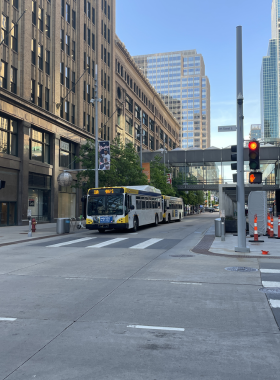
{"x":156,"y":328}
{"x":145,"y":244}
{"x":108,"y":242}
{"x":7,"y":319}
{"x":270,"y":271}
{"x":271,"y":284}
{"x":69,"y":242}
{"x":274,"y":303}
{"x":187,"y":283}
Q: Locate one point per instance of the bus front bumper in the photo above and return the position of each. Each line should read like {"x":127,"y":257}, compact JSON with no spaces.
{"x":109,"y":226}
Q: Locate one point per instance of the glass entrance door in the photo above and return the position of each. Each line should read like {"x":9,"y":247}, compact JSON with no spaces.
{"x":7,"y":214}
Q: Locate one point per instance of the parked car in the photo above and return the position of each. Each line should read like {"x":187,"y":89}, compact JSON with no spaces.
{"x":209,"y":209}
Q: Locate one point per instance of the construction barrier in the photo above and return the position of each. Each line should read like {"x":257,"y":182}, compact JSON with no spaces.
{"x":278,"y":237}
{"x":271,"y":235}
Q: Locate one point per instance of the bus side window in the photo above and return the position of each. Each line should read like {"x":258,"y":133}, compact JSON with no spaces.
{"x":143,"y":203}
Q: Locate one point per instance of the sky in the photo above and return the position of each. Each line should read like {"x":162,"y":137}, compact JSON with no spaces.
{"x":157,"y":26}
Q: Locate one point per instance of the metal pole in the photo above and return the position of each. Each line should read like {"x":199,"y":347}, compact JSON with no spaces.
{"x":141,"y":138}
{"x":164,"y":152}
{"x":96,"y":126}
{"x":241,"y":226}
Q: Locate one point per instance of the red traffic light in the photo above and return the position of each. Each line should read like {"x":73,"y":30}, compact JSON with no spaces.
{"x":253,"y":145}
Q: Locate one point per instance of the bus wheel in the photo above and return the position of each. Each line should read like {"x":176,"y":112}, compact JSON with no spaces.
{"x":135,"y":225}
{"x":169,"y":218}
{"x":156,"y":221}
{"x":101,"y":230}
{"x":180,"y":217}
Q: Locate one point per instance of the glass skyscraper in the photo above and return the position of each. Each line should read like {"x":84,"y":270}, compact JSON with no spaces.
{"x":270,"y":76}
{"x":179,"y":77}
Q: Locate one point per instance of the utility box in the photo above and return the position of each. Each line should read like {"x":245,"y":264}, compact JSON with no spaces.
{"x":257,"y":205}
{"x":218,"y":227}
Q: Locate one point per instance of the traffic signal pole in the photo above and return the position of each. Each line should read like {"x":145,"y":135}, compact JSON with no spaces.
{"x":241,"y":221}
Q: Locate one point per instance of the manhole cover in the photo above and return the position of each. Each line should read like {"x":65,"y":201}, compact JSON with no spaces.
{"x":181,"y":255}
{"x":241,"y":269}
{"x":270,"y":290}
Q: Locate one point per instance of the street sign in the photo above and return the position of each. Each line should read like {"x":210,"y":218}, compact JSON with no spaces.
{"x":227,"y":128}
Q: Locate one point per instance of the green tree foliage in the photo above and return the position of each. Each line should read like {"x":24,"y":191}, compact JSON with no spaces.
{"x":158,"y":179}
{"x":124,"y":170}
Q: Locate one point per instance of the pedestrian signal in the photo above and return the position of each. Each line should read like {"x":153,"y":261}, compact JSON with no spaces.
{"x":255,"y":177}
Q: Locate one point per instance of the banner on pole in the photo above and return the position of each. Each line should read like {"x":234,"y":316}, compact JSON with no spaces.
{"x":147,"y":170}
{"x":104,"y":155}
{"x":169,"y":178}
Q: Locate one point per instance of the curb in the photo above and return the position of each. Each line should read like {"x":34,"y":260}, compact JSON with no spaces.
{"x":205,"y":243}
{"x":29,"y":240}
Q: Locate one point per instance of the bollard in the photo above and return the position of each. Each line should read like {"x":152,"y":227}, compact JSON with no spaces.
{"x":268,"y":225}
{"x":223,"y":229}
{"x":256,"y":235}
{"x":278,"y":237}
{"x":271,"y":235}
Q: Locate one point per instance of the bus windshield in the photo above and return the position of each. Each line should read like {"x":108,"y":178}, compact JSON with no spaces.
{"x":105,"y":205}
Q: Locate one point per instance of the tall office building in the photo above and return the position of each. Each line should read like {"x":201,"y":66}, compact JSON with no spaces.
{"x":256,"y":132}
{"x":270,"y":77}
{"x":179,"y":77}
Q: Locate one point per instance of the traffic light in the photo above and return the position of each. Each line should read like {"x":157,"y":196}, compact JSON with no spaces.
{"x":254,"y":155}
{"x":255,"y":177}
{"x":233,"y":156}
{"x":2,"y":184}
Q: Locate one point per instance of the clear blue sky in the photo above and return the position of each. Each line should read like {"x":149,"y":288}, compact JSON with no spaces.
{"x":155,"y":26}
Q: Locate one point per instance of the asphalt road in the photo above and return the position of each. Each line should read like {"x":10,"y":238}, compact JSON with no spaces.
{"x":143,"y":306}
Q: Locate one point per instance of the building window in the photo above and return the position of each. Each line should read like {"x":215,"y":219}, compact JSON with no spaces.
{"x":88,"y":10}
{"x":62,"y":39}
{"x":88,"y":123}
{"x":105,"y":55}
{"x":73,"y":50}
{"x":34,"y":12}
{"x":73,"y":81}
{"x":102,"y":27}
{"x":67,"y":44}
{"x":39,"y":94}
{"x":93,"y":41}
{"x":105,"y":81}
{"x":73,"y":19}
{"x":108,"y":110}
{"x":137,"y":111}
{"x":88,"y":37}
{"x":32,"y":91}
{"x":108,"y":80}
{"x":145,"y":118}
{"x":109,"y":12}
{"x":4,"y":29}
{"x":84,"y":92}
{"x":14,"y":37}
{"x":13,"y":80}
{"x":67,"y":79}
{"x":67,"y":116}
{"x":152,"y":143}
{"x":102,"y":52}
{"x":67,"y":154}
{"x":40,"y":146}
{"x":40,"y":19}
{"x":128,"y":125}
{"x":152,"y":125}
{"x":85,"y":32}
{"x":93,"y":15}
{"x":68,"y":13}
{"x":8,"y":136}
{"x":105,"y":31}
{"x":92,"y":70}
{"x":109,"y":59}
{"x":62,"y":8}
{"x":48,"y":26}
{"x":61,"y":107}
{"x":47,"y":65}
{"x":129,"y":103}
{"x":109,"y":36}
{"x":15,"y":3}
{"x":88,"y":93}
{"x":61,"y":72}
{"x":33,"y":52}
{"x":73,"y":114}
{"x":3,"y":74}
{"x":47,"y":99}
{"x":40,"y":57}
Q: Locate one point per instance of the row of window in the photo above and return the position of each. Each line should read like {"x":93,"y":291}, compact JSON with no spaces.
{"x":105,"y":56}
{"x":67,"y":14}
{"x":106,"y":8}
{"x":40,"y":21}
{"x":89,"y":37}
{"x":105,"y":81}
{"x":39,"y":144}
{"x":40,"y":95}
{"x":65,"y":111}
{"x":90,"y":12}
{"x":5,"y":30}
{"x":144,"y":203}
{"x":65,"y":77}
{"x":105,"y":32}
{"x":65,"y":45}
{"x":4,"y":77}
{"x":40,"y":56}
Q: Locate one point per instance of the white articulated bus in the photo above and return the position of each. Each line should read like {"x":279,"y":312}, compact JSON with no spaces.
{"x":123,"y":207}
{"x":173,"y":208}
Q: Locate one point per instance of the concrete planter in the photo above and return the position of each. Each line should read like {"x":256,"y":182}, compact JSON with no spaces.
{"x":231,"y":226}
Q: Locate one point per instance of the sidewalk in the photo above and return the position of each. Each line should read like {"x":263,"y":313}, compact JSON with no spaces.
{"x":17,"y":234}
{"x":227,"y":247}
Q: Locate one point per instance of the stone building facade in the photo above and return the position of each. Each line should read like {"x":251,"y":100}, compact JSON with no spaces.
{"x":47,"y":68}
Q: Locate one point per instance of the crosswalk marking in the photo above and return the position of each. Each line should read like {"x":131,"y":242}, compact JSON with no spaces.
{"x":108,"y":242}
{"x":145,"y":244}
{"x":271,"y":284}
{"x":8,"y":319}
{"x":156,"y":328}
{"x":271,"y":271}
{"x":274,"y":303}
{"x":70,"y":242}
